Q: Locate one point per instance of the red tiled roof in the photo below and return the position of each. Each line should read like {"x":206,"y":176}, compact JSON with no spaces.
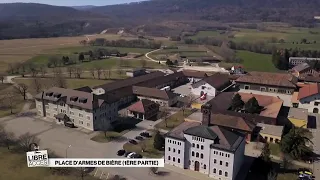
{"x":142,"y":106}
{"x":309,"y":90}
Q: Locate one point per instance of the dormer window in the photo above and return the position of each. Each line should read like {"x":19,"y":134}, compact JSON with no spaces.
{"x":49,"y":94}
{"x":74,"y":98}
{"x":83,"y":100}
{"x":57,"y":95}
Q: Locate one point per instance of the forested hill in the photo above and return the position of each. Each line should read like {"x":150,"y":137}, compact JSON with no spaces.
{"x":293,"y":11}
{"x":30,"y":20}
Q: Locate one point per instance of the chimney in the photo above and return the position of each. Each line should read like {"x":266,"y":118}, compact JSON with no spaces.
{"x":206,"y":114}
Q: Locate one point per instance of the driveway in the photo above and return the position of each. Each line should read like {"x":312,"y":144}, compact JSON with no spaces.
{"x":285,"y":97}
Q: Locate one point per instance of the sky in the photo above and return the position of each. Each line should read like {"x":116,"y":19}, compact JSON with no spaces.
{"x":73,"y":2}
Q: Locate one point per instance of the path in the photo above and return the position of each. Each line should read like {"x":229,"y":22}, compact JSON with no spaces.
{"x":151,"y":59}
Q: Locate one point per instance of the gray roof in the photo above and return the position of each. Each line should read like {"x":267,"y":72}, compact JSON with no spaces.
{"x":218,"y":81}
{"x":223,"y":138}
{"x":201,"y":131}
{"x":301,"y":67}
{"x":77,"y":98}
{"x":153,"y":93}
{"x":298,"y":113}
{"x":130,"y":81}
{"x":270,"y":129}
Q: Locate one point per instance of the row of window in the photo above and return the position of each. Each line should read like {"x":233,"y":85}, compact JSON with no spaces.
{"x":173,"y":149}
{"x":173,"y":159}
{"x":195,"y":138}
{"x":174,"y":142}
{"x":221,"y":153}
{"x":220,"y":172}
{"x":197,"y":154}
{"x":221,"y":163}
{"x":198,"y":146}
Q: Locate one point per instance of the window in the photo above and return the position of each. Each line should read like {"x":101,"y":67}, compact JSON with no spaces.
{"x":88,"y":117}
{"x":197,"y":154}
{"x":71,"y":113}
{"x":178,"y":151}
{"x":80,"y":115}
{"x":168,"y":157}
{"x":204,"y":166}
{"x":88,"y":124}
{"x":81,"y":122}
{"x":220,"y":172}
{"x":227,"y":164}
{"x":192,"y":153}
{"x":226,"y":174}
{"x":316,"y":103}
{"x":215,"y":161}
{"x":201,"y":156}
{"x":193,"y":144}
{"x":178,"y":160}
{"x":174,"y":150}
{"x":197,"y":146}
{"x":169,"y":148}
{"x":220,"y":162}
{"x":214,"y":170}
{"x":246,"y":87}
{"x":174,"y":159}
{"x":201,"y":146}
{"x":222,"y":154}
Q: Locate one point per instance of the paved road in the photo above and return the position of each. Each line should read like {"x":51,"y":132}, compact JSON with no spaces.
{"x":58,"y":138}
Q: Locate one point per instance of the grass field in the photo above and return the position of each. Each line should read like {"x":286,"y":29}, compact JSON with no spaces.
{"x":289,"y":35}
{"x":20,"y":50}
{"x":256,"y":62}
{"x":78,"y":49}
{"x":174,"y":120}
{"x":14,"y":167}
{"x":71,"y":83}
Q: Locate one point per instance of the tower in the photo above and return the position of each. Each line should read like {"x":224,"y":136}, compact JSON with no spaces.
{"x":206,"y":114}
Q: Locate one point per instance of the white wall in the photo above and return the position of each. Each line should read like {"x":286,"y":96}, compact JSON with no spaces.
{"x":174,"y":152}
{"x":206,"y":88}
{"x":227,"y":159}
{"x":160,"y":101}
{"x":309,"y":103}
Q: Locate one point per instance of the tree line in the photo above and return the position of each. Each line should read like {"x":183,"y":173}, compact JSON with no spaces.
{"x":135,"y":43}
{"x":280,"y":58}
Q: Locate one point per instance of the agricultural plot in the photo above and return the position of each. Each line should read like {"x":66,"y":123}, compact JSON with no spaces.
{"x":256,"y":62}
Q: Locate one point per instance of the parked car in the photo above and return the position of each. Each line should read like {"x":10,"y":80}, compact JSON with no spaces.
{"x":126,"y":154}
{"x":121,"y":152}
{"x":137,"y":156}
{"x":145,"y":134}
{"x":131,"y":155}
{"x":139,"y":138}
{"x":133,"y":141}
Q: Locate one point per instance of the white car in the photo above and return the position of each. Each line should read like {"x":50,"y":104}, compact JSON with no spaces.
{"x":131,"y":155}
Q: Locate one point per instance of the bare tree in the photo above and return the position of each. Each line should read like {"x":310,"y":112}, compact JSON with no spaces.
{"x":26,"y":140}
{"x":10,"y":68}
{"x":37,"y":85}
{"x":143,"y":63}
{"x":164,"y":113}
{"x":143,"y":146}
{"x":92,"y":72}
{"x":42,"y":70}
{"x":153,"y":170}
{"x":23,"y":69}
{"x":70,"y":70}
{"x":21,"y":89}
{"x":83,"y":42}
{"x":187,"y":102}
{"x":60,"y":81}
{"x":2,"y":76}
{"x":78,"y":72}
{"x":10,"y":98}
{"x":99,"y":72}
{"x":6,"y":138}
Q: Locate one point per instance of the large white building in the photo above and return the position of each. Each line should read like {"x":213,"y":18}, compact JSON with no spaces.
{"x":212,"y":150}
{"x":78,"y":107}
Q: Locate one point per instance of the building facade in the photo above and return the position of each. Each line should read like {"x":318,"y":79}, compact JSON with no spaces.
{"x":82,"y":109}
{"x":308,"y":98}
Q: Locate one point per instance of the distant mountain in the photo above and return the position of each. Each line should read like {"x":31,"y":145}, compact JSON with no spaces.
{"x":30,"y":20}
{"x":88,"y":7}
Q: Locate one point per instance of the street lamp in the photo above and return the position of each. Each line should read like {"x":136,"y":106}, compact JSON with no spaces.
{"x":67,"y":150}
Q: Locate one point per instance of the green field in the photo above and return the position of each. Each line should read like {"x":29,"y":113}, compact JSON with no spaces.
{"x":256,"y":62}
{"x":78,"y":49}
{"x":289,"y":35}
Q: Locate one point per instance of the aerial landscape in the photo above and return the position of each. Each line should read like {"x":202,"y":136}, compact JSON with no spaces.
{"x":218,"y":89}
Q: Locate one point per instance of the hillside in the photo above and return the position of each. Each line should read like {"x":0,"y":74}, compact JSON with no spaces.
{"x":30,"y":20}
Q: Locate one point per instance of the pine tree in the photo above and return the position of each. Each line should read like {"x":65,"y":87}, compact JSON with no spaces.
{"x":236,"y":103}
{"x":252,"y":106}
{"x":159,"y":141}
